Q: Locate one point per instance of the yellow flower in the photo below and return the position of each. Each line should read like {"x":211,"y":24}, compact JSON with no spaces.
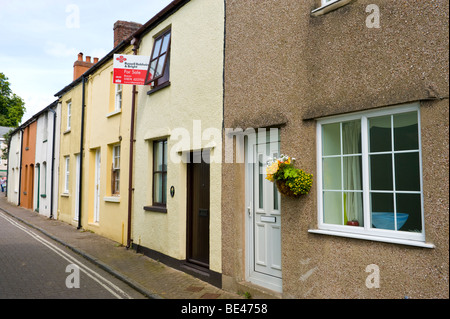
{"x":272,"y":169}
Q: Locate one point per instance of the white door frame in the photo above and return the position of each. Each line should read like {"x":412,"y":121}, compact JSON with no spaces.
{"x":272,"y":282}
{"x":77,"y":187}
{"x":97,"y":186}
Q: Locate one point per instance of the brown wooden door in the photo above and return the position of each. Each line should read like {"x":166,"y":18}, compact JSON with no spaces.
{"x":198,"y":209}
{"x":30,"y":193}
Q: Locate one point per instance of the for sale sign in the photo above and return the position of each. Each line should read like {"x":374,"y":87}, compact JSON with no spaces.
{"x":130,"y":69}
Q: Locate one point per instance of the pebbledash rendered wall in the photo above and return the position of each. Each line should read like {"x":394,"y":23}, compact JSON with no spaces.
{"x":287,"y":68}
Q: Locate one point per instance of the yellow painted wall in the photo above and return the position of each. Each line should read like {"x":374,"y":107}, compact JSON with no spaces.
{"x":70,"y":146}
{"x":195,"y":93}
{"x":104,"y":128}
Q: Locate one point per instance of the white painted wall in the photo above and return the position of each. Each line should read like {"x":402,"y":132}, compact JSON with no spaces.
{"x":14,"y":168}
{"x":44,"y":160}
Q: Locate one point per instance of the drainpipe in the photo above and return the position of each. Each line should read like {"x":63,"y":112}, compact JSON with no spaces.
{"x":81,"y":150}
{"x":53,"y":161}
{"x":135,"y":42}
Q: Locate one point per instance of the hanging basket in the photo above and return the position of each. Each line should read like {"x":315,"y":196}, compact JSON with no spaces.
{"x":281,"y":171}
{"x":286,"y":190}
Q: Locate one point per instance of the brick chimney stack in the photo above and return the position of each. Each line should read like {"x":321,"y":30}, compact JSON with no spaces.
{"x":80,"y":66}
{"x":124,"y":29}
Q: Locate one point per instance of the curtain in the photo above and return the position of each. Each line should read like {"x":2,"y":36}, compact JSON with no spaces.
{"x":351,"y":139}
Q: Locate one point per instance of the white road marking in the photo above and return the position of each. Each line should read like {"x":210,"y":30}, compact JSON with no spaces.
{"x":109,"y":286}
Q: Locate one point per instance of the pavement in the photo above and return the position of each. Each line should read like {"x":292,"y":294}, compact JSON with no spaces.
{"x":150,"y":277}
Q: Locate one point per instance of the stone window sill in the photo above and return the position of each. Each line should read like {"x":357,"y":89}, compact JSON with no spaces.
{"x":157,"y":209}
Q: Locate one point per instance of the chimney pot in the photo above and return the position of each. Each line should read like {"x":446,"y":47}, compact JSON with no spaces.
{"x":80,"y":66}
{"x":95,"y":60}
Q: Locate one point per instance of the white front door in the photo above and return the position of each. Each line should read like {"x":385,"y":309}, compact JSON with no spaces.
{"x":97,"y":186}
{"x":263,"y":214}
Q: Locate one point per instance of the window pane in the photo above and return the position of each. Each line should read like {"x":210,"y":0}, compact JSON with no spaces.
{"x":406,"y":135}
{"x":332,"y":173}
{"x":157,"y":48}
{"x":166,"y":75}
{"x":381,"y":172}
{"x":353,"y":207}
{"x":352,"y":173}
{"x":116,"y":176}
{"x":382,"y":210}
{"x":407,"y":172}
{"x":165,"y":43}
{"x":165,"y":157}
{"x":157,"y":188}
{"x":380,"y":134}
{"x":331,"y":139}
{"x":409,"y":212}
{"x":160,"y":66}
{"x":164,"y":188}
{"x":275,"y":196}
{"x":158,"y":156}
{"x":116,"y":158}
{"x":351,"y":137}
{"x":152,"y":70}
{"x":332,"y":208}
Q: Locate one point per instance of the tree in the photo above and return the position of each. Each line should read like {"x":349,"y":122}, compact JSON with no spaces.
{"x":12,"y":107}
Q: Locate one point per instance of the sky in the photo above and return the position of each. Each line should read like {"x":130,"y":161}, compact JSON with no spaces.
{"x":40,"y":40}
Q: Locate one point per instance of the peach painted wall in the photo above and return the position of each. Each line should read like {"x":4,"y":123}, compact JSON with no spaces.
{"x":28,"y":159}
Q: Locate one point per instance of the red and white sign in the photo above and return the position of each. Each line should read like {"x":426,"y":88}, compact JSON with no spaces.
{"x":130,"y":69}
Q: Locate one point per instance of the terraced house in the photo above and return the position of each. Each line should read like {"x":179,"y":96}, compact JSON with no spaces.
{"x":357,"y":93}
{"x":33,"y":162}
{"x":95,"y":138}
{"x":177,"y":169}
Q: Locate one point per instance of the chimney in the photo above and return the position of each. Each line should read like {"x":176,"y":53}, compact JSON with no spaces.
{"x":80,"y":66}
{"x":123,"y":30}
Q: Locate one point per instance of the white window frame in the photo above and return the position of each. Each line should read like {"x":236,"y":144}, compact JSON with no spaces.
{"x":118,"y":99}
{"x":66,"y":174}
{"x":329,"y":5}
{"x":69,"y":114}
{"x":367,"y":232}
{"x":43,"y":179}
{"x":116,"y":167}
{"x":327,"y":2}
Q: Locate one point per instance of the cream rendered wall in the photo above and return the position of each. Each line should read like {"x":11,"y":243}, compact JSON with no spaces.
{"x":69,"y":146}
{"x":104,"y":128}
{"x":195,"y":93}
